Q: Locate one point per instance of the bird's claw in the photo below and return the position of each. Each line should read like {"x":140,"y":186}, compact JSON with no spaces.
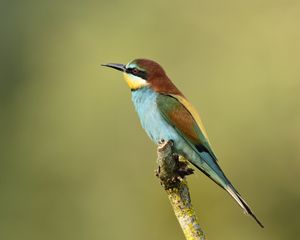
{"x":183,"y":169}
{"x":163,"y":143}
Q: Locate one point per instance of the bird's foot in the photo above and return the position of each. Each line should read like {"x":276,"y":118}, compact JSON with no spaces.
{"x":183,"y":168}
{"x":162,"y":144}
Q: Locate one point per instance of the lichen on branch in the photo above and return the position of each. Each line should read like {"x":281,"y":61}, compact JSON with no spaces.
{"x":172,"y":172}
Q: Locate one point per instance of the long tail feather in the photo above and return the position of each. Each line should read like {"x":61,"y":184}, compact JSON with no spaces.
{"x":237,"y":197}
{"x":214,"y":172}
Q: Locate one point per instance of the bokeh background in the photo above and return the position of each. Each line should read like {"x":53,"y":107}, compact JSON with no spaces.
{"x":75,"y":163}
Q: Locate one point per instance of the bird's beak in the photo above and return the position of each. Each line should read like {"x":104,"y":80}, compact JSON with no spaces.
{"x":117,"y":66}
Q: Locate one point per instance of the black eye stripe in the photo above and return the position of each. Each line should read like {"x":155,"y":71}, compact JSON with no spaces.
{"x":137,"y":72}
{"x":131,"y":70}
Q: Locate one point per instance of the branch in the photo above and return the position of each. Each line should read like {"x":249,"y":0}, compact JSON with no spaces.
{"x":172,"y":173}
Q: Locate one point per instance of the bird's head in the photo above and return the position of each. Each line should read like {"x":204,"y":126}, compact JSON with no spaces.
{"x":141,"y":73}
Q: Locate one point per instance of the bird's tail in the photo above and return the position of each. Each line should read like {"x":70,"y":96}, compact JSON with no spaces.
{"x":237,"y":197}
{"x":212,"y":169}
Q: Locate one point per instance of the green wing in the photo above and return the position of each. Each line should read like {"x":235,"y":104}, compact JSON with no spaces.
{"x":177,"y":111}
{"x":183,"y":117}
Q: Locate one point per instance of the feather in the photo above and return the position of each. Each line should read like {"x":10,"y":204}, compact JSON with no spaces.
{"x":181,"y":114}
{"x":184,"y":118}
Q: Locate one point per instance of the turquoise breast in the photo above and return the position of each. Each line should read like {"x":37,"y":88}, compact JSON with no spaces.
{"x":156,"y":127}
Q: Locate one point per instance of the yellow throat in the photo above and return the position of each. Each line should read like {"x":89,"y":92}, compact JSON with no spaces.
{"x":134,"y":82}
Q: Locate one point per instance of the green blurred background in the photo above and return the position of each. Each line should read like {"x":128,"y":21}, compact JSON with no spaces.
{"x":75,"y":163}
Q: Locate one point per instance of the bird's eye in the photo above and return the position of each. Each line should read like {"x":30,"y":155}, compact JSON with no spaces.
{"x":135,"y":71}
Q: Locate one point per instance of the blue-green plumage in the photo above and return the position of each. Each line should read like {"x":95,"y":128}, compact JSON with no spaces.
{"x":144,"y":101}
{"x":149,"y":107}
{"x":165,"y":114}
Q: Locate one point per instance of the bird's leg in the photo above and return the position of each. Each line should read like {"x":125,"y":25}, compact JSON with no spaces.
{"x":183,"y":167}
{"x":162,"y":143}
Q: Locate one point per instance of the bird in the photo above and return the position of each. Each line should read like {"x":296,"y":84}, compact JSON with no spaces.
{"x":166,"y":114}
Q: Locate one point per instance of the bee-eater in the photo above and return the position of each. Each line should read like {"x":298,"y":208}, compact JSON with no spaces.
{"x":166,"y":114}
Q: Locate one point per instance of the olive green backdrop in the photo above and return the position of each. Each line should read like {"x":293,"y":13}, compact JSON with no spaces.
{"x":75,"y":163}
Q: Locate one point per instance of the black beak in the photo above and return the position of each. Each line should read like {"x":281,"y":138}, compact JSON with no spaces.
{"x":117,"y":66}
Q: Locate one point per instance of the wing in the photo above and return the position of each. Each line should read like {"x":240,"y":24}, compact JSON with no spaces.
{"x":185,"y":119}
